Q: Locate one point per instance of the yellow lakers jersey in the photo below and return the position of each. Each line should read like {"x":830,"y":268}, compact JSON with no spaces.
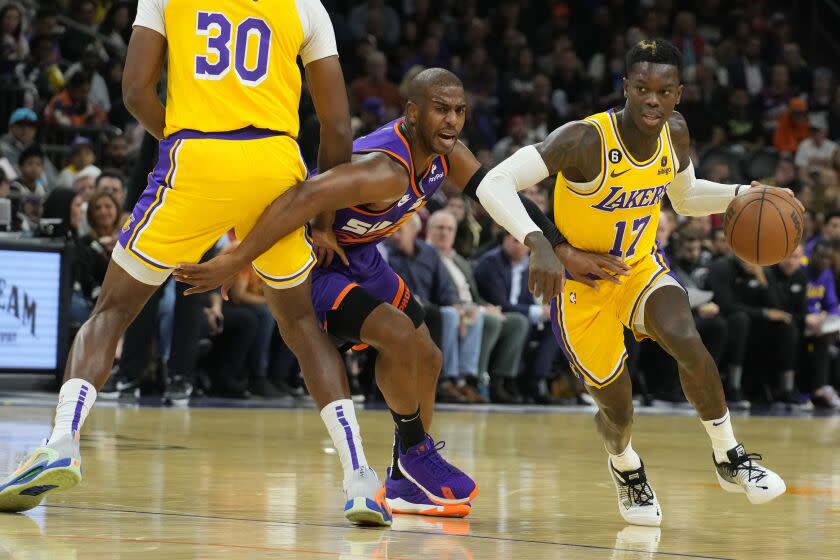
{"x":618,"y":212}
{"x":233,"y":64}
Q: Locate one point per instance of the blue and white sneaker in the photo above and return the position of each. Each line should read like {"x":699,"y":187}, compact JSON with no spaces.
{"x":53,"y":466}
{"x":403,"y":496}
{"x":365,"y":499}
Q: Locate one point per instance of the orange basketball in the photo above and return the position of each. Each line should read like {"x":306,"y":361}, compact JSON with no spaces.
{"x":763,"y":225}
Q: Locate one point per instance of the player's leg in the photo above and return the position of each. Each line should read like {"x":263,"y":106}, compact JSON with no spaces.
{"x":587,"y":330}
{"x":666,"y":316}
{"x":325,"y":377}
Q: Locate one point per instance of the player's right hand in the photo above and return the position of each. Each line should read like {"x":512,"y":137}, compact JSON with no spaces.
{"x":589,"y":267}
{"x":327,"y":247}
{"x":218,"y":271}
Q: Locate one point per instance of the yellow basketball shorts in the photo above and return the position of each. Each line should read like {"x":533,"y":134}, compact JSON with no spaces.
{"x":589,"y":325}
{"x":204,"y":185}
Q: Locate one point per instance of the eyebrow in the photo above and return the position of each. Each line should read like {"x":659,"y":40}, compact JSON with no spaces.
{"x":439,"y":101}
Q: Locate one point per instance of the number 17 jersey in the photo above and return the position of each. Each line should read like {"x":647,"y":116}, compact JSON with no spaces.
{"x":232,"y":64}
{"x":617,"y":212}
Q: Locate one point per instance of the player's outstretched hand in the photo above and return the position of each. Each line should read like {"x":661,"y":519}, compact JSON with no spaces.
{"x":218,"y":271}
{"x":588,"y":267}
{"x":788,"y":191}
{"x":327,"y":247}
{"x":545,"y":272}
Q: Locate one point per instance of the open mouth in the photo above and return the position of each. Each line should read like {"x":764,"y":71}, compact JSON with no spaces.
{"x":448,"y":137}
{"x":651,"y":120}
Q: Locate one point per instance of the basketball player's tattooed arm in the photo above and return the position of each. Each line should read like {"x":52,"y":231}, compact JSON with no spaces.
{"x":690,"y":196}
{"x":326,"y":85}
{"x":144,"y":62}
{"x":368,"y":179}
{"x":574,"y":150}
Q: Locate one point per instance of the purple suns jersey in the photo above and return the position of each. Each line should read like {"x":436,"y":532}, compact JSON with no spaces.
{"x":358,"y":225}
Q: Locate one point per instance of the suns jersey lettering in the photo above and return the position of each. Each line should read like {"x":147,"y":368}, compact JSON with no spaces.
{"x":233,"y":63}
{"x":619,"y":214}
{"x":357,"y":225}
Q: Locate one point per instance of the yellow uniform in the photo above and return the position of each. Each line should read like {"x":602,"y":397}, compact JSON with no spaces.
{"x":232,"y":101}
{"x":617,"y":213}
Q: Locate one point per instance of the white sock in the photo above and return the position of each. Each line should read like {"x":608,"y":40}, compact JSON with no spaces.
{"x":75,"y":400}
{"x":340,"y":419}
{"x":722,"y":436}
{"x":627,"y":460}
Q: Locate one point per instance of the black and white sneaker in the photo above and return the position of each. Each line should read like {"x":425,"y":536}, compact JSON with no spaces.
{"x":178,"y":391}
{"x":742,"y":474}
{"x":637,"y":501}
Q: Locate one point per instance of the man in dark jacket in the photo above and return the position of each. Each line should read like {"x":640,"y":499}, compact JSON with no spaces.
{"x":502,"y":279}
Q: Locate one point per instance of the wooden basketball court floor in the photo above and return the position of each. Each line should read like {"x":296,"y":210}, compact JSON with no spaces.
{"x":205,"y":483}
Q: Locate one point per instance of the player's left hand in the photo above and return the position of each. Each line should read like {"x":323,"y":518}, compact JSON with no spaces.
{"x":218,"y":271}
{"x":327,"y":247}
{"x":788,"y":191}
{"x":546,"y":274}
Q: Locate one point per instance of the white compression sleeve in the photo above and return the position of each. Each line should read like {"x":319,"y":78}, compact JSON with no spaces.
{"x":698,"y":197}
{"x":497,"y":191}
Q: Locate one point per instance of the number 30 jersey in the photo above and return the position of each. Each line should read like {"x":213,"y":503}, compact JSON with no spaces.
{"x":617,"y":212}
{"x":359,"y":225}
{"x":232,"y":64}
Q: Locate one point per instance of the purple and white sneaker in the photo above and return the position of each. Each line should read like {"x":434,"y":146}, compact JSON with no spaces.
{"x":442,"y":483}
{"x":406,"y":498}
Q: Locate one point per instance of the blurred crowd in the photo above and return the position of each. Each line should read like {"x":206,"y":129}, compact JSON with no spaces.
{"x":73,"y":161}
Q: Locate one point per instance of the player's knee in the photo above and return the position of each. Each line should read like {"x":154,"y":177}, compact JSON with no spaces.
{"x":683,"y":338}
{"x":428,"y":354}
{"x":618,"y":418}
{"x":394,"y":335}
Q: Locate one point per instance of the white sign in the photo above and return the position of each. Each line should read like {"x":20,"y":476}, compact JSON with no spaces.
{"x":30,"y":285}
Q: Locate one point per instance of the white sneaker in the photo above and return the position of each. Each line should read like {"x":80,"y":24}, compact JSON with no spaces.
{"x":637,"y":501}
{"x":365,"y":502}
{"x":742,"y":474}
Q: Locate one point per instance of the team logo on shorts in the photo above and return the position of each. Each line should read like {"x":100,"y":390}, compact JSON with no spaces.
{"x":573,"y":297}
{"x":615,"y":156}
{"x":127,"y":223}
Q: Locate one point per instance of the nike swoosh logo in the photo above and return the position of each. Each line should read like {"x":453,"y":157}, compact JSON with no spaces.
{"x":614,"y":174}
{"x":725,"y":418}
{"x":410,"y":419}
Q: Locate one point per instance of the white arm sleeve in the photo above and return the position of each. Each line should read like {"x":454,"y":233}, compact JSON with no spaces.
{"x":497,"y":191}
{"x":318,"y":35}
{"x":698,"y":197}
{"x":150,"y":14}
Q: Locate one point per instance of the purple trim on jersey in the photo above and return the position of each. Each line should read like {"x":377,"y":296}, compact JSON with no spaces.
{"x":247,"y":133}
{"x":348,"y":433}
{"x":77,"y":415}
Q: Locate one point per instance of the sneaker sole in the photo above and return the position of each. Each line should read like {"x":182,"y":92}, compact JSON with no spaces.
{"x":437,"y":499}
{"x":364,"y":511}
{"x":754,"y":499}
{"x":398,"y":505}
{"x":27,"y":495}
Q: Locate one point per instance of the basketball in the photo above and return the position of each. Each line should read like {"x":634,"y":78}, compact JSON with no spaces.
{"x":763,"y":225}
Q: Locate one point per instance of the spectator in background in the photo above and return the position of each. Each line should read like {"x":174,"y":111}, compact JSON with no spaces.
{"x":92,"y":59}
{"x":793,"y":126}
{"x":820,"y":309}
{"x":376,"y":84}
{"x":15,"y":47}
{"x":740,"y":124}
{"x":23,"y":129}
{"x":371,"y":116}
{"x":517,"y":134}
{"x":460,"y":327}
{"x":73,"y":107}
{"x":103,"y":217}
{"x":830,"y":231}
{"x":117,"y":155}
{"x":468,"y":232}
{"x":800,"y":74}
{"x":81,"y":155}
{"x":816,"y":151}
{"x":504,"y":334}
{"x":748,"y":71}
{"x":85,"y":182}
{"x":30,"y":182}
{"x":790,"y":282}
{"x":376,"y":18}
{"x":784,"y":176}
{"x":740,"y":286}
{"x":776,"y":97}
{"x":502,"y":278}
{"x":40,"y":74}
{"x":112,"y":182}
{"x":65,"y":205}
{"x":77,"y":37}
{"x":116,"y":27}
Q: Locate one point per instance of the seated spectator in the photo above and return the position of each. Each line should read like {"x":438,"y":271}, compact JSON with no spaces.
{"x":793,"y":127}
{"x":376,"y":84}
{"x":502,"y":278}
{"x":66,"y":206}
{"x":116,"y":27}
{"x":77,"y":36}
{"x":94,"y":57}
{"x":23,"y":130}
{"x":740,"y":124}
{"x":830,"y":231}
{"x":504,"y":333}
{"x":103,"y":217}
{"x":784,"y":176}
{"x":73,"y":106}
{"x":821,"y":306}
{"x":40,"y":75}
{"x":816,"y":151}
{"x":15,"y":47}
{"x":117,"y":155}
{"x":460,"y":327}
{"x":468,"y":233}
{"x":28,"y":189}
{"x":740,"y":286}
{"x":81,"y":155}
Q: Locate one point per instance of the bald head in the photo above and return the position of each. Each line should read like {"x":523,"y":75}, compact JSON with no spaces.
{"x":423,"y":84}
